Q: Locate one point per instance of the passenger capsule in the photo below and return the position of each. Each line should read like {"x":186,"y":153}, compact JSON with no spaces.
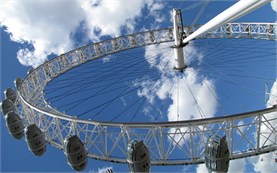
{"x":18,"y":83}
{"x":217,"y":154}
{"x":7,"y":106}
{"x":138,"y":157}
{"x":35,"y":140}
{"x":15,"y":125}
{"x":10,"y":94}
{"x":76,"y":153}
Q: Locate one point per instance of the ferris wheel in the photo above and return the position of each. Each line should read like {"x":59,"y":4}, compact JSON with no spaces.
{"x":115,"y":74}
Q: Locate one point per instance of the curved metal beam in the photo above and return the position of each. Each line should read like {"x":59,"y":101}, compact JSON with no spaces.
{"x":237,"y":10}
{"x":107,"y":141}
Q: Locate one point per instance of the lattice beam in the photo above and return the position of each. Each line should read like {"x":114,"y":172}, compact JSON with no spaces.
{"x":167,"y":140}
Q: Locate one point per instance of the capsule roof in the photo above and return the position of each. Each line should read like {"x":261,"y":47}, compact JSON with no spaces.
{"x":35,"y":140}
{"x":134,"y":147}
{"x":10,"y":94}
{"x":73,"y":140}
{"x":217,"y":154}
{"x":75,"y":152}
{"x":134,"y":143}
{"x":7,"y":106}
{"x":31,"y":129}
{"x":138,"y":157}
{"x":18,"y":82}
{"x":15,"y":125}
{"x":215,"y":141}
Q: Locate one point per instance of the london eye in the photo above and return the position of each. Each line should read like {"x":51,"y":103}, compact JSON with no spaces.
{"x":135,"y":99}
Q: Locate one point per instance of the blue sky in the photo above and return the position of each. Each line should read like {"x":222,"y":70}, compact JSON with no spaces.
{"x":33,"y":31}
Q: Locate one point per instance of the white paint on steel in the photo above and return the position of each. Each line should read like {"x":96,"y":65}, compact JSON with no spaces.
{"x":58,"y":125}
{"x":237,"y":10}
{"x":178,"y":36}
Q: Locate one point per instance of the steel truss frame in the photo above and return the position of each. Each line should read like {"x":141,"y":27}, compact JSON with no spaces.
{"x":169,"y":143}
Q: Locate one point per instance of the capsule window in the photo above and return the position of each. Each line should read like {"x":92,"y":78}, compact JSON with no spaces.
{"x":142,"y":156}
{"x":76,"y":148}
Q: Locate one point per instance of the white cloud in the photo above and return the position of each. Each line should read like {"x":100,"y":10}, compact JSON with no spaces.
{"x":201,"y":168}
{"x":42,"y":24}
{"x":193,"y":101}
{"x":106,"y":59}
{"x":110,"y":17}
{"x":48,"y":26}
{"x":192,"y":86}
{"x":27,"y":58}
{"x":147,"y":85}
{"x":155,"y":10}
{"x":235,"y":166}
{"x":102,"y":170}
{"x":266,"y":162}
{"x":274,"y":5}
{"x":241,"y":127}
{"x":193,"y":95}
{"x":272,"y":100}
